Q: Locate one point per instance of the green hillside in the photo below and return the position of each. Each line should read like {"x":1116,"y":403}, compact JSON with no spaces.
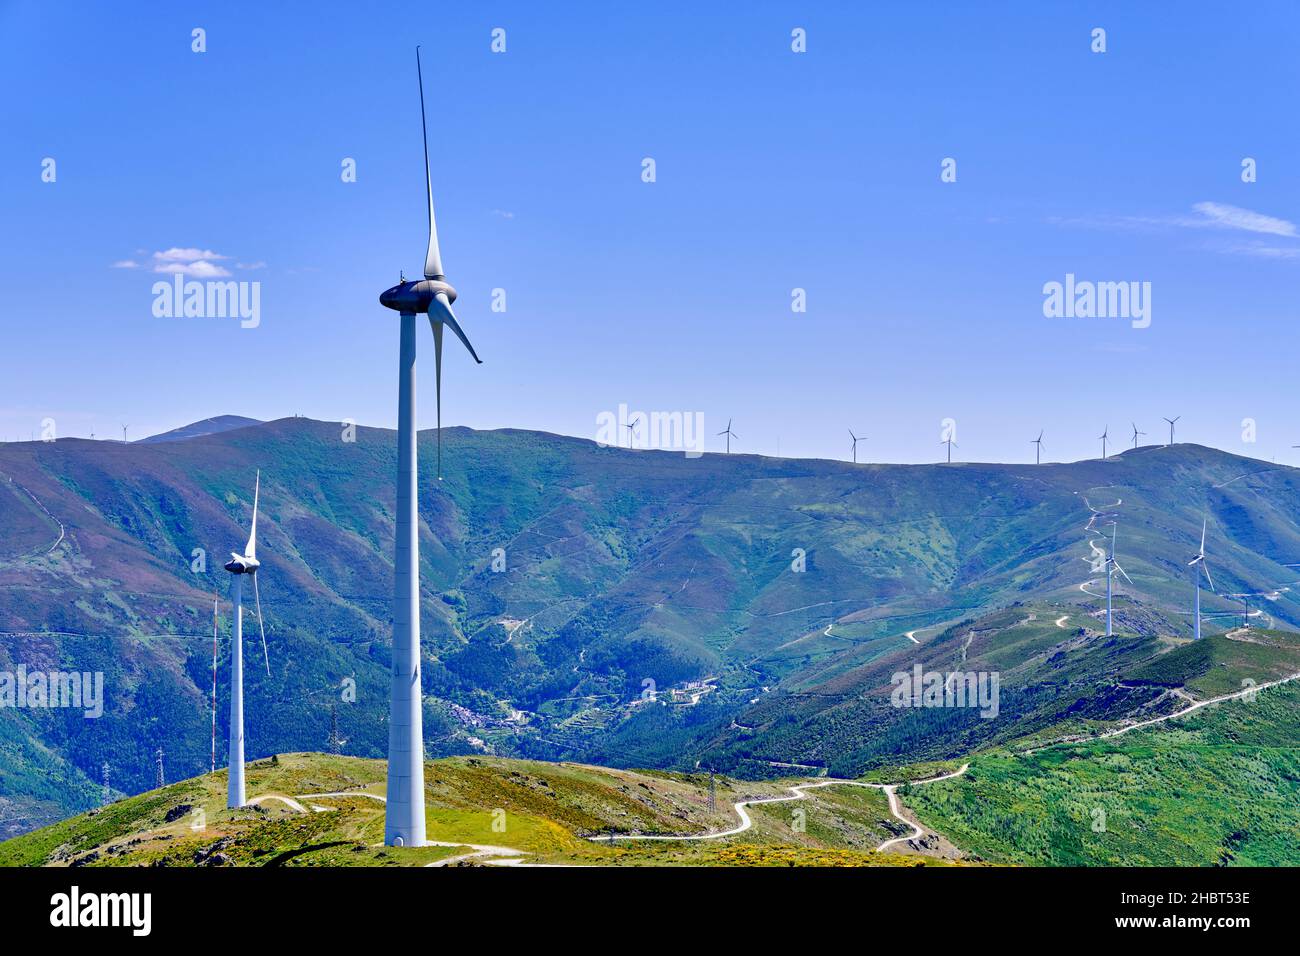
{"x":1218,"y":787}
{"x":648,"y":611}
{"x":542,"y":811}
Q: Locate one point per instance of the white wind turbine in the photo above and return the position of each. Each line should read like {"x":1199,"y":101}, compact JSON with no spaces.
{"x":240,"y":565}
{"x":432,"y":295}
{"x":1111,"y":567}
{"x":1198,"y":563}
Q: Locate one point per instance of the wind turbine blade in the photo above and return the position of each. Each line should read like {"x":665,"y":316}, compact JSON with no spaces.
{"x":443,"y":308}
{"x":250,"y":551}
{"x":1120,"y":570}
{"x":258,"y":597}
{"x":432,"y":258}
{"x":1206,"y":568}
{"x":1204,"y":522}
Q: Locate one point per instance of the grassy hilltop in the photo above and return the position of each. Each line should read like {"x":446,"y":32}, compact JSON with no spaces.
{"x":545,"y":811}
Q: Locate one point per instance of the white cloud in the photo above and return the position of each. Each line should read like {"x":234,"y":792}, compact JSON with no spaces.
{"x":126,"y":264}
{"x":1263,"y":251}
{"x":259,"y":264}
{"x":1234,"y":217}
{"x":1212,"y":215}
{"x":187,"y":255}
{"x":503,"y":213}
{"x":195,"y":270}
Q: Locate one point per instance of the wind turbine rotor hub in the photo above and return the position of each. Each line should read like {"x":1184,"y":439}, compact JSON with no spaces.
{"x":415,"y":296}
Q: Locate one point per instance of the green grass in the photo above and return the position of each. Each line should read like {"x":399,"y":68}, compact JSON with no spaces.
{"x":545,"y":810}
{"x":1219,"y":787}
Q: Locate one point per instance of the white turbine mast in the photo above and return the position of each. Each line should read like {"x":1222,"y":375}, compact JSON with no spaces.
{"x":1199,"y":564}
{"x":239,"y":566}
{"x":1111,"y":567}
{"x":432,"y":296}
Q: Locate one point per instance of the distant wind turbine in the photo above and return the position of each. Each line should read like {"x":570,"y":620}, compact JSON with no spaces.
{"x":631,"y":431}
{"x":214,"y":683}
{"x":1171,"y":427}
{"x":730,"y":435}
{"x":1038,"y":448}
{"x":1111,"y":567}
{"x":1103,"y":442}
{"x":856,"y":439}
{"x":124,"y":428}
{"x":1198,"y":563}
{"x":240,"y":565}
{"x":1135,"y":434}
{"x":951,"y":444}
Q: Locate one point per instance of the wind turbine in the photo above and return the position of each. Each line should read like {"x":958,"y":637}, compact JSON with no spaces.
{"x":124,"y":428}
{"x":240,"y":565}
{"x":730,"y":435}
{"x":1135,"y":434}
{"x":1111,"y":567}
{"x":1103,"y":442}
{"x":432,"y":295}
{"x":214,"y":683}
{"x":951,"y":444}
{"x":1199,"y":564}
{"x":1171,"y":427}
{"x":1038,"y":449}
{"x":856,"y":439}
{"x":631,"y":432}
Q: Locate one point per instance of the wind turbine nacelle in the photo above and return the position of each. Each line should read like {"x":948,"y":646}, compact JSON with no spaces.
{"x":414,"y":297}
{"x":239,"y":564}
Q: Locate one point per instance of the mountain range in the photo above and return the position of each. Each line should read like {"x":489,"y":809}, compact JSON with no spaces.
{"x":627,"y":608}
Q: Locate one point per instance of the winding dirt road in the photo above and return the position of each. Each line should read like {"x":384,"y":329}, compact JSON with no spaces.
{"x":800,"y":792}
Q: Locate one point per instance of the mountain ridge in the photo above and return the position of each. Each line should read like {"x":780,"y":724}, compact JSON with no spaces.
{"x":620,"y":567}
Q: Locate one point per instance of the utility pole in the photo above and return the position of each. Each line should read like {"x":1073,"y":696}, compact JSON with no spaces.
{"x":162,"y":779}
{"x":107,"y":793}
{"x":713,"y":792}
{"x":335,"y":742}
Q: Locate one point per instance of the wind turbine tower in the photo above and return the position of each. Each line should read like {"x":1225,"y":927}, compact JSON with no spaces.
{"x":432,"y":296}
{"x":1111,"y":567}
{"x":951,"y":444}
{"x":1135,"y":434}
{"x":1198,"y":565}
{"x":241,"y":566}
{"x":1038,"y":448}
{"x":1103,"y":442}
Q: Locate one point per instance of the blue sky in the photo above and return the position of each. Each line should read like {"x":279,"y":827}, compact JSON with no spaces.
{"x":775,"y":171}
